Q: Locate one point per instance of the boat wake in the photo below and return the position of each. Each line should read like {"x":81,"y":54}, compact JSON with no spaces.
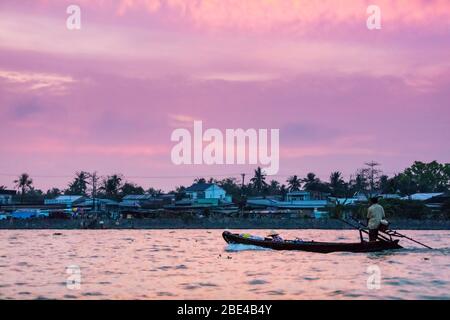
{"x":236,"y":247}
{"x":443,"y":251}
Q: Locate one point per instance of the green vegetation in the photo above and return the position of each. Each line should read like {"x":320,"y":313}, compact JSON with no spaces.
{"x":446,"y":209}
{"x":396,"y":208}
{"x":420,"y":177}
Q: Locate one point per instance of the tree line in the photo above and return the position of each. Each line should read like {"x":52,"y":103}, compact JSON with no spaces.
{"x":419,"y":177}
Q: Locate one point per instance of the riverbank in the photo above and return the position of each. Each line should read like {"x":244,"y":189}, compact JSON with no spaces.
{"x":215,"y":223}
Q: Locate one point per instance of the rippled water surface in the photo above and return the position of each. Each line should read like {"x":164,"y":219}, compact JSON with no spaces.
{"x":198,"y":264}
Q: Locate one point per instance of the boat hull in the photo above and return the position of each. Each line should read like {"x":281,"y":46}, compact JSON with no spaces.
{"x":313,"y":246}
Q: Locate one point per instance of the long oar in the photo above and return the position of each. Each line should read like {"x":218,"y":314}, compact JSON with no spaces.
{"x":382,"y":238}
{"x":394,"y":233}
{"x":399,"y":235}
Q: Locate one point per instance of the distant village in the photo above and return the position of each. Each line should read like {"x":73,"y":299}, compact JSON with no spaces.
{"x":421,"y":191}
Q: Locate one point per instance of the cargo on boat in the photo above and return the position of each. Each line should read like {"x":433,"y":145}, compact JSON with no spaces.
{"x":310,"y":246}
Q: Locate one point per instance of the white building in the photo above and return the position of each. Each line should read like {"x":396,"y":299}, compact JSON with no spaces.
{"x":298,"y":196}
{"x":206,"y":191}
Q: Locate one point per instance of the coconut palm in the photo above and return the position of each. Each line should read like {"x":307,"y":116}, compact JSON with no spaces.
{"x":79,"y":184}
{"x":294,"y":183}
{"x":111,"y":186}
{"x":273,"y":187}
{"x":336,"y":183}
{"x":313,"y":183}
{"x":259,"y":180}
{"x":24,"y":183}
{"x":310,"y":181}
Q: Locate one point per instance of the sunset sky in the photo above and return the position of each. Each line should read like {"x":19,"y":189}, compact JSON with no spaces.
{"x":108,"y":96}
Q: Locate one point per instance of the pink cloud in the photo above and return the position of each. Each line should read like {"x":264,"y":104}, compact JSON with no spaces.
{"x":291,"y":15}
{"x":107,"y":98}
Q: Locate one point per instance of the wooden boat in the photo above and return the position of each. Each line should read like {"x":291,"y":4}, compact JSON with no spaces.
{"x":311,"y":246}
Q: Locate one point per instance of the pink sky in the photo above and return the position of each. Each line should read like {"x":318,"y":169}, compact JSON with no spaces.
{"x":108,"y":96}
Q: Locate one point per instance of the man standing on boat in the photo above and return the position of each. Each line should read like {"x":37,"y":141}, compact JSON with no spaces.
{"x":374,"y":215}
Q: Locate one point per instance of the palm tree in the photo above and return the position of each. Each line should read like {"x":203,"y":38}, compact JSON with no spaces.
{"x":111,"y":186}
{"x":24,"y":183}
{"x":294,"y":183}
{"x":313,"y":184}
{"x":283,"y":191}
{"x":310,"y":181}
{"x":274,"y":187}
{"x":79,"y":184}
{"x":336,"y":183}
{"x":259,"y":180}
{"x":361,"y":182}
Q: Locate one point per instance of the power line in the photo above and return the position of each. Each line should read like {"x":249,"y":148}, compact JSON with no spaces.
{"x":130,"y":177}
{"x":193,"y":176}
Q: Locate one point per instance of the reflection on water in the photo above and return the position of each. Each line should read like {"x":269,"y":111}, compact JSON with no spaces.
{"x":198,"y":264}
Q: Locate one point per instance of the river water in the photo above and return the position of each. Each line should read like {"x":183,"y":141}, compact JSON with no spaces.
{"x":198,"y":264}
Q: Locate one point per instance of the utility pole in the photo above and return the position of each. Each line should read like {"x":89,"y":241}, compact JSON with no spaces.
{"x":94,"y":190}
{"x":372,"y":173}
{"x":242,"y":193}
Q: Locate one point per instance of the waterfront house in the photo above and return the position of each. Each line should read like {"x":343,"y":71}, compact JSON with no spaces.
{"x":29,"y":213}
{"x":390,"y":196}
{"x":435,"y":203}
{"x":146,"y":201}
{"x":344,"y":201}
{"x":303,"y":201}
{"x":205,"y":191}
{"x":298,"y":196}
{"x":67,"y":201}
{"x":6,"y":196}
{"x":422,"y":196}
{"x":201,"y":196}
{"x":135,"y":200}
{"x":306,"y":195}
{"x":100,"y":204}
{"x":361,"y":196}
{"x":297,"y":204}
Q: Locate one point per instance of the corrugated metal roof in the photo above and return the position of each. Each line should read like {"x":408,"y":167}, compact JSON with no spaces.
{"x":423,"y":196}
{"x":293,"y":193}
{"x":199,"y":187}
{"x":68,"y":198}
{"x":138,"y":197}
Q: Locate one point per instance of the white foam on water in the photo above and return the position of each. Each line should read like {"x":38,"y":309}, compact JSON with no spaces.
{"x":236,"y":247}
